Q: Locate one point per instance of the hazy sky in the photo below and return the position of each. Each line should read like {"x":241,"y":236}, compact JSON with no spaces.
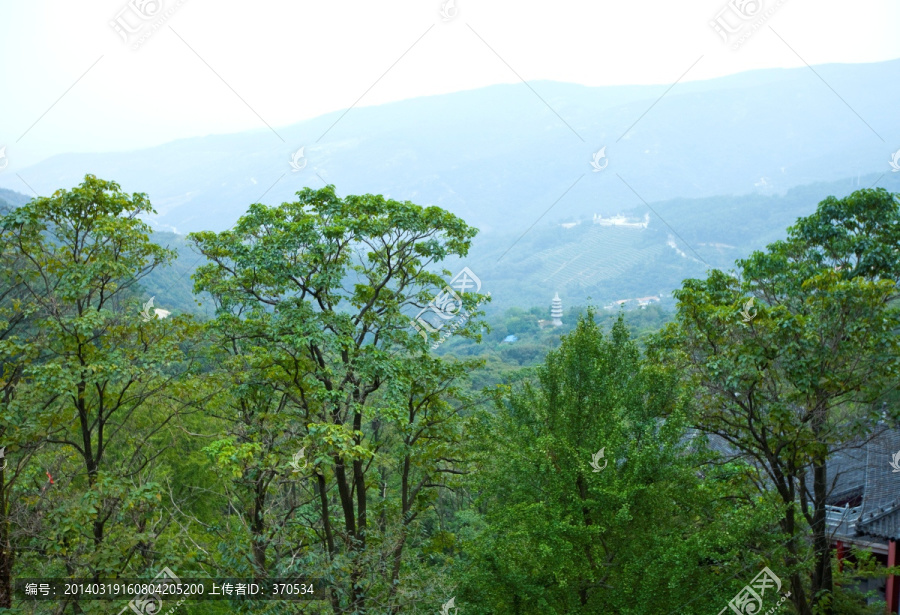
{"x":71,"y":84}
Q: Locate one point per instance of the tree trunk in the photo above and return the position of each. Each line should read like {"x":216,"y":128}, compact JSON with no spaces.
{"x":823,"y":580}
{"x":586,"y":515}
{"x":258,"y":528}
{"x":6,"y":552}
{"x":798,"y":594}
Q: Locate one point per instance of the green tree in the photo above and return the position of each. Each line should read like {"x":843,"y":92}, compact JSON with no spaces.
{"x":797,"y":371}
{"x":105,"y":381}
{"x":311,"y":295}
{"x":567,"y":529}
{"x":23,"y":423}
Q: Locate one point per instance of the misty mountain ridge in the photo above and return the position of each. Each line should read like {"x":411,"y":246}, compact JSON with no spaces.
{"x":499,"y":157}
{"x":719,"y":167}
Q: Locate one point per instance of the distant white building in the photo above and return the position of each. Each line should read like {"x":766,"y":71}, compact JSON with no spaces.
{"x":641,"y":301}
{"x":620,"y":220}
{"x":556,"y":311}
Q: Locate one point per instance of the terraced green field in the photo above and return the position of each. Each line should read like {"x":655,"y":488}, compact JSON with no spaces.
{"x":601,"y":253}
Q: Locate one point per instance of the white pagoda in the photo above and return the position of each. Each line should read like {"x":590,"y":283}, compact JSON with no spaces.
{"x":556,"y":311}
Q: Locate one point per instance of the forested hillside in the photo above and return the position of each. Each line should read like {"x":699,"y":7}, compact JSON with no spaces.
{"x":310,"y":421}
{"x":585,"y":263}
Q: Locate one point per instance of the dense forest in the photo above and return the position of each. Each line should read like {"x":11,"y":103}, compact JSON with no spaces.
{"x":300,"y":426}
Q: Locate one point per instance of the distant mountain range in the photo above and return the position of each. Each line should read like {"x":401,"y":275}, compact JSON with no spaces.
{"x":501,"y":156}
{"x":12,"y":198}
{"x":589,"y":263}
{"x":721,"y":167}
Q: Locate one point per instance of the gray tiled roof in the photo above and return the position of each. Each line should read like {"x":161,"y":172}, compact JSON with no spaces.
{"x":883,"y":526}
{"x":846,"y":475}
{"x":714,"y":442}
{"x":864,"y":489}
{"x":867,"y":471}
{"x":882,"y":482}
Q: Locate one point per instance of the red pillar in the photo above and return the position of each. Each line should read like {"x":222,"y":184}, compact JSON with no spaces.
{"x":890,"y":589}
{"x":841,"y":554}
